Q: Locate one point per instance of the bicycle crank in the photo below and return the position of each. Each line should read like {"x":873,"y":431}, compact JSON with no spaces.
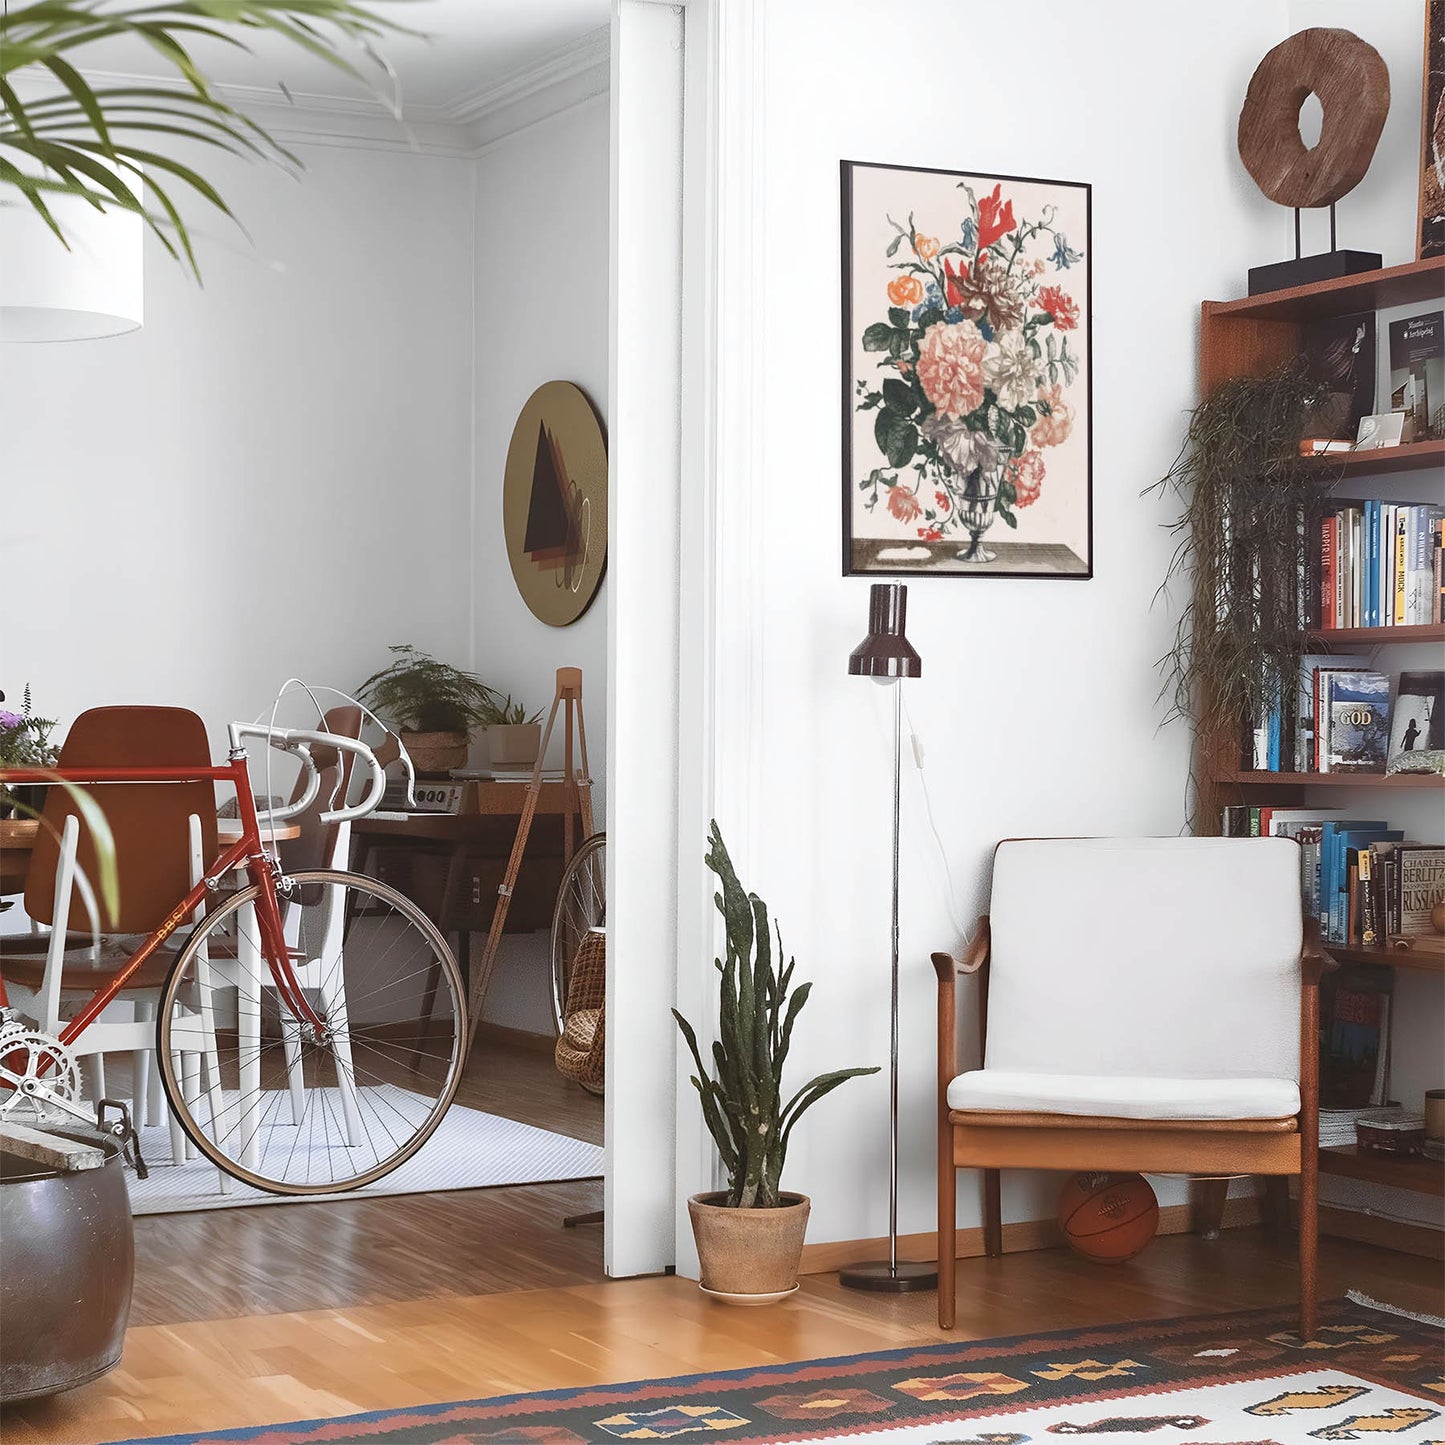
{"x":37,"y":1074}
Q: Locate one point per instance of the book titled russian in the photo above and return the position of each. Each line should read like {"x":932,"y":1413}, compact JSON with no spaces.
{"x":1357,"y":714}
{"x":1421,"y":884}
{"x":1417,"y":370}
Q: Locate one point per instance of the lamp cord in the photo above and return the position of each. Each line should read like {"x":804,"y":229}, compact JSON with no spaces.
{"x":916,"y":749}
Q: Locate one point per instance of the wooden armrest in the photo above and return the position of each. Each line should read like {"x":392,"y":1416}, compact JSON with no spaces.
{"x":974,"y":958}
{"x":1313,"y":961}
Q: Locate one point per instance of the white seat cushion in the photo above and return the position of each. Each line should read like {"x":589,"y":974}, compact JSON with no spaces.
{"x":1119,"y":1097}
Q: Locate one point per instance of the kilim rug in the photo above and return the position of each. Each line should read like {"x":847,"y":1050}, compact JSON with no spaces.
{"x":1237,"y":1379}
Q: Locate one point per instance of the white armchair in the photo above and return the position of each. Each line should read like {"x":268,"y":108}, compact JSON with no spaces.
{"x":1144,"y":1004}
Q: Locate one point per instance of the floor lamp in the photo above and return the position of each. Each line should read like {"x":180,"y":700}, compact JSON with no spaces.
{"x":886,"y":656}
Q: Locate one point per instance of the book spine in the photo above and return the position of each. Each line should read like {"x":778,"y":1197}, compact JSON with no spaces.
{"x":1369,"y":934}
{"x":1322,"y":722}
{"x":1386,"y":593}
{"x":1352,"y":597}
{"x":1254,"y":822}
{"x":1342,"y":562}
{"x":1398,"y":605}
{"x":1437,"y":613}
{"x":1327,"y":574}
{"x":1372,"y":563}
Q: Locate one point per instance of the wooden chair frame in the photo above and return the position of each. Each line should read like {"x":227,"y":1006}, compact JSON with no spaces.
{"x":995,"y":1140}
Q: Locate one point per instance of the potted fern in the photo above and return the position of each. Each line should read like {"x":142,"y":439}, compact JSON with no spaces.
{"x":434,"y":704}
{"x":750,"y":1235}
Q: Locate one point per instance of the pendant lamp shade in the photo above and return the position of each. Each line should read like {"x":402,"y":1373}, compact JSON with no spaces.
{"x":49,"y":293}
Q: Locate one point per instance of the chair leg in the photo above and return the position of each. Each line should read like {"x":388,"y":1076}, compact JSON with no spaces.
{"x":1206,"y":1197}
{"x":1308,"y":1244}
{"x":992,"y":1214}
{"x":947,"y":1226}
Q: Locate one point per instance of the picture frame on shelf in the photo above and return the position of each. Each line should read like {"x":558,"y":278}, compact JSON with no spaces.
{"x":1430,"y":239}
{"x":967,"y":374}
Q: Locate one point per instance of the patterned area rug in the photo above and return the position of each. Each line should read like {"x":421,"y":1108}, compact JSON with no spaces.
{"x":1238,"y":1379}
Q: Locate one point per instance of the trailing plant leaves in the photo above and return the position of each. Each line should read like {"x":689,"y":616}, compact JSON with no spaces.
{"x":1242,"y":549}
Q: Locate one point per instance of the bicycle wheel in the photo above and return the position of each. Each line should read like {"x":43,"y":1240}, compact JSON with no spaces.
{"x":581,"y":904}
{"x":274,"y":1102}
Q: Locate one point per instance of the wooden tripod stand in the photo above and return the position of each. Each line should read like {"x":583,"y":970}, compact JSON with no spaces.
{"x":577,"y":781}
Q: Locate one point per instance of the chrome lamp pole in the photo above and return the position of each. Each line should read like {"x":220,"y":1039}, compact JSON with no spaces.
{"x":887,"y":657}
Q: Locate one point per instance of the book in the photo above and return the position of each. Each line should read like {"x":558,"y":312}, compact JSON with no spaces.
{"x":1420,"y":587}
{"x":1417,"y":369}
{"x":1311,"y":664}
{"x":1355,"y":1038}
{"x":1339,"y":352}
{"x":1355,"y":714}
{"x":1397,"y":604}
{"x":1417,"y":721}
{"x":1419,"y":884}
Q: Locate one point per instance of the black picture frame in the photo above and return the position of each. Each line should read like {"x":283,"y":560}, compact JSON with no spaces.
{"x":878,"y":554}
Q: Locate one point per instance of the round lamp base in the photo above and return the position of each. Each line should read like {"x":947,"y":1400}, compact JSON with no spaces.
{"x":882,"y":1278}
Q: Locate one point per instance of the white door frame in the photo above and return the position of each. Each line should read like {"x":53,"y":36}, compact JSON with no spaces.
{"x":685,"y":593}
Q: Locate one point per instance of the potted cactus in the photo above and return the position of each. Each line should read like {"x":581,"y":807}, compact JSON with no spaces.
{"x":750,"y":1235}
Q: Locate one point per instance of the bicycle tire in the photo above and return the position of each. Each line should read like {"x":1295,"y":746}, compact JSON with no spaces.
{"x":581,"y":904}
{"x":198,"y":982}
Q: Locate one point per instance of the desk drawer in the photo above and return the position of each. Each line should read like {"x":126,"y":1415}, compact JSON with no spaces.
{"x":457,"y":888}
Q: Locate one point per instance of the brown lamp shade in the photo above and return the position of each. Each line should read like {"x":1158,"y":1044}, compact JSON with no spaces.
{"x":886,"y":652}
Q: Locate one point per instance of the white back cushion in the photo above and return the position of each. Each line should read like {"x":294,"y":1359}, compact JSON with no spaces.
{"x":1168,"y":957}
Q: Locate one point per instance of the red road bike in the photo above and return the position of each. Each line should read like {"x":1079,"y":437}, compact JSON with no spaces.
{"x":311,"y":1028}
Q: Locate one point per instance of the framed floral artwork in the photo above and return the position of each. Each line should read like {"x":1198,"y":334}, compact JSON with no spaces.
{"x":966,"y":374}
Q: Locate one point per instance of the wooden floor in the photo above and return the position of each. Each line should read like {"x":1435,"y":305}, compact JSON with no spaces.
{"x":225,"y":1263}
{"x":266,"y":1369}
{"x":257,"y":1316}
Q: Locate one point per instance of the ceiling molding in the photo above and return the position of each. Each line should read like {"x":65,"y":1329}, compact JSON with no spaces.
{"x":565,"y":78}
{"x":578,"y":60}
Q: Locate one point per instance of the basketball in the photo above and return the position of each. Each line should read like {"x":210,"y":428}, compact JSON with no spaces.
{"x":1108,"y":1217}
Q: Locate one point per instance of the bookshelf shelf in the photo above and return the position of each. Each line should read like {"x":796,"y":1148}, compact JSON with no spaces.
{"x":1420,"y":962}
{"x":1330,"y":780}
{"x":1408,"y":457}
{"x":1377,"y":636}
{"x":1414,"y":1172}
{"x":1366,"y":291}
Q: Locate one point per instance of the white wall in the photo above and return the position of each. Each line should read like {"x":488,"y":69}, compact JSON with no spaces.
{"x":1037,"y":706}
{"x":302,"y":421}
{"x":541,"y":278}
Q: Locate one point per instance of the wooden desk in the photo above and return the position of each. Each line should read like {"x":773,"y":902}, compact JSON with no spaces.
{"x":451,"y":864}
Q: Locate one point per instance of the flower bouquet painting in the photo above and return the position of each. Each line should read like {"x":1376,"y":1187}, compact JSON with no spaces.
{"x":966,"y":374}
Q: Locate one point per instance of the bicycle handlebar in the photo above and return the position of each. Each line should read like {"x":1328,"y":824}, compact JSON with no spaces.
{"x":300,"y":741}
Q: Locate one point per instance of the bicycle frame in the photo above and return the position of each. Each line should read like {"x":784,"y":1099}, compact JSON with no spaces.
{"x":248,"y":850}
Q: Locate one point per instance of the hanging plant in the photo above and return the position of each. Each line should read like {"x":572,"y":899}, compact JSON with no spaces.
{"x":1242,"y":546}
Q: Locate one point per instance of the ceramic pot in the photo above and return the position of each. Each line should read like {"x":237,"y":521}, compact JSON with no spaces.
{"x":749,"y":1256}
{"x":434,"y":755}
{"x":514,"y":745}
{"x":69,"y":1263}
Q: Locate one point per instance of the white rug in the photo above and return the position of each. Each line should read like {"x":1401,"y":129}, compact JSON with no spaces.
{"x":470,"y":1150}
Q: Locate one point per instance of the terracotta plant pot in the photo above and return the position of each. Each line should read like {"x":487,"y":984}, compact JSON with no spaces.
{"x":749,"y":1256}
{"x":434,"y":755}
{"x":513,"y":745}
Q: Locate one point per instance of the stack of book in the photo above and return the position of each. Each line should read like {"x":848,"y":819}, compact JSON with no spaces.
{"x":1347,"y":718}
{"x":1337,"y":1126}
{"x":1378,"y":565}
{"x":1361,"y":878}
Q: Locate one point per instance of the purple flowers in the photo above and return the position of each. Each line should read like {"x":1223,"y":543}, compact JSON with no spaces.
{"x":10,"y":720}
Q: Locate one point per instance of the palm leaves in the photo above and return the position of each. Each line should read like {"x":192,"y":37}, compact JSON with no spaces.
{"x":742,"y":1104}
{"x":95,"y":143}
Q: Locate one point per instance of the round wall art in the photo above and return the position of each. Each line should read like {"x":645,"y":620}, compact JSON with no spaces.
{"x":554,"y":503}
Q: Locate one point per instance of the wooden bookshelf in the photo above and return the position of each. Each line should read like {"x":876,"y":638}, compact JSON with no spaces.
{"x":1253,"y":336}
{"x":1365,"y":291}
{"x":1407,"y":1171}
{"x":1421,"y":961}
{"x":1377,"y":636}
{"x":1408,"y":457}
{"x":1247,"y":779}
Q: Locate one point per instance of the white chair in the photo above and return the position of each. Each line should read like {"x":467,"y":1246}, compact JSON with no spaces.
{"x":1144,"y":1004}
{"x":161,"y":833}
